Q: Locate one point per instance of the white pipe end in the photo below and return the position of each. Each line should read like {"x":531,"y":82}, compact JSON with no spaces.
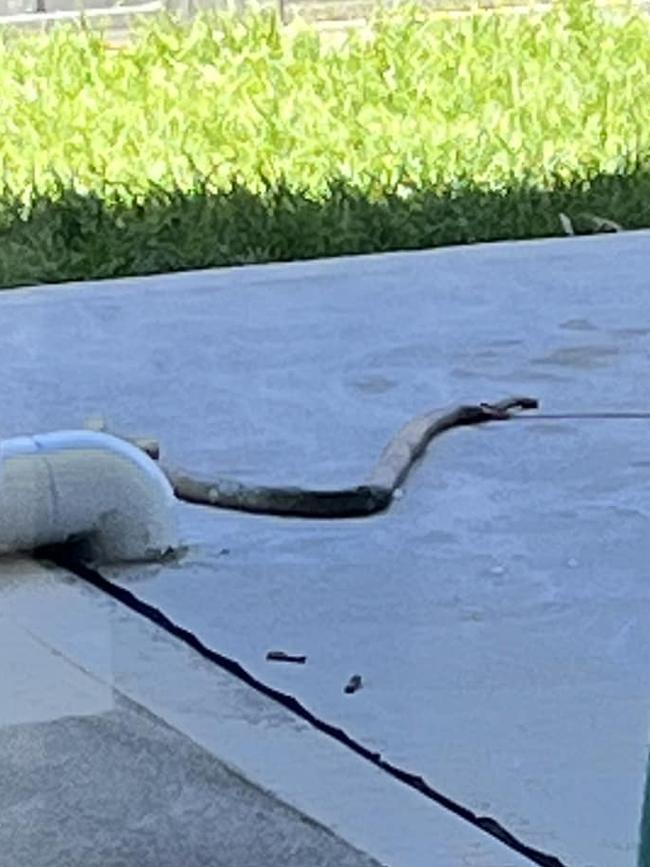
{"x":88,"y":486}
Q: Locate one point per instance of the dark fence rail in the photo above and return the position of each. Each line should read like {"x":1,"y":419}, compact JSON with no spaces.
{"x":116,"y":16}
{"x":325,"y":10}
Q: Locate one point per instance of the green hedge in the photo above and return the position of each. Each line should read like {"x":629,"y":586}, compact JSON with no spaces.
{"x":231,"y":140}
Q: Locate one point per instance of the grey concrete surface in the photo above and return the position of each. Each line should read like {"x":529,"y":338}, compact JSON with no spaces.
{"x":89,"y":778}
{"x":121,"y":789}
{"x":69,"y":653}
{"x":497,"y":612}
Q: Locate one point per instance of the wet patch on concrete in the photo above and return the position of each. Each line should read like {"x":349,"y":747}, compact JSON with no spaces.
{"x":505,"y":342}
{"x":630,"y":332}
{"x":641,"y":465}
{"x":578,"y":325}
{"x":373,"y":384}
{"x":540,"y":376}
{"x":557,"y":428}
{"x":580,"y":357}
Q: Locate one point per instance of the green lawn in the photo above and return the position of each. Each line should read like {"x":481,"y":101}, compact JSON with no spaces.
{"x":231,"y":140}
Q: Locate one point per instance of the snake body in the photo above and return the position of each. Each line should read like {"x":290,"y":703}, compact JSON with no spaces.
{"x":373,"y":496}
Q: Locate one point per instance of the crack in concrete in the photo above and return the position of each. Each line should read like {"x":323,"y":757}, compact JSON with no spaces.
{"x":67,"y":559}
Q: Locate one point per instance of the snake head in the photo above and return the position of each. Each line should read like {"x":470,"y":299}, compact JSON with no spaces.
{"x":505,"y":408}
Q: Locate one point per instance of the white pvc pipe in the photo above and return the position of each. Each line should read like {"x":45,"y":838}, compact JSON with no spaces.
{"x":84,"y":485}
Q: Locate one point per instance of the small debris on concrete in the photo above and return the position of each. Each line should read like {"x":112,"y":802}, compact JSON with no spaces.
{"x":566,"y":224}
{"x":95,"y":423}
{"x":353,"y":684}
{"x":281,"y":656}
{"x":148,"y":445}
{"x":603,"y":224}
{"x":174,"y":555}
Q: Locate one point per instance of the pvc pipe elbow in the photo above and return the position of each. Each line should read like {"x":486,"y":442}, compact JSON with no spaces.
{"x":84,"y":486}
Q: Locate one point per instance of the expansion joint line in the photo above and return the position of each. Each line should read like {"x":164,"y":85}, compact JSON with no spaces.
{"x":66,"y":559}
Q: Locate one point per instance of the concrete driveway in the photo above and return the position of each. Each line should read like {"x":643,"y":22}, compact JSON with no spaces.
{"x":496,"y":613}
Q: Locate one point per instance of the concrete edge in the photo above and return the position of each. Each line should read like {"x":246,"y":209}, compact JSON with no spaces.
{"x":250,"y":735}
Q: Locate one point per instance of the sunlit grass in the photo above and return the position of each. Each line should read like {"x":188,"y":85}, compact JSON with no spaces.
{"x":246,"y":124}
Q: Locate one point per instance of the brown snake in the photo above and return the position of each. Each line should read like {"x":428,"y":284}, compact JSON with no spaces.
{"x":373,"y":496}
